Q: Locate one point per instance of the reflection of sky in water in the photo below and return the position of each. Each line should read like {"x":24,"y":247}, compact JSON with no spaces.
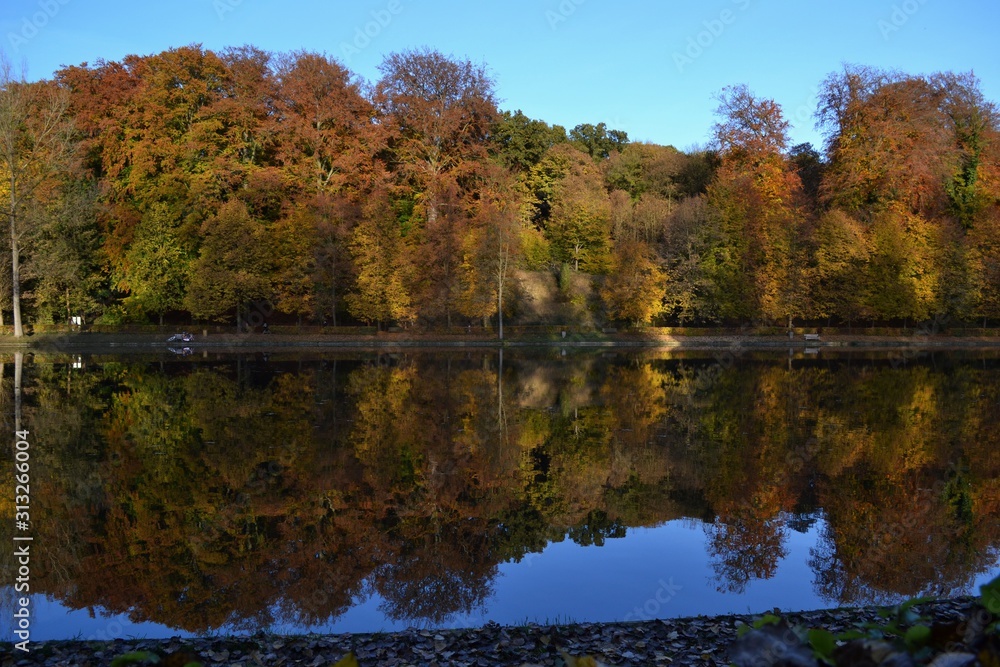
{"x":51,"y":620}
{"x":657,"y":572}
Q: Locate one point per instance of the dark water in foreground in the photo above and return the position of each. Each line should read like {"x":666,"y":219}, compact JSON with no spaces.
{"x":362,"y":491}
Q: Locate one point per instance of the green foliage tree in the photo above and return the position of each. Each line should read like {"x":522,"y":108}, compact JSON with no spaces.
{"x":233,"y":266}
{"x":646,"y":168}
{"x":598,"y":141}
{"x":63,"y":271}
{"x":157,"y":268}
{"x":518,"y":142}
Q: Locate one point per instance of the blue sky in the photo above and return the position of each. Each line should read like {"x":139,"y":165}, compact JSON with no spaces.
{"x":649,"y":68}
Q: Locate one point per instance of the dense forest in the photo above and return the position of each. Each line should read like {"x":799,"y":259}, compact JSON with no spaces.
{"x":414,"y":476}
{"x":193,"y":185}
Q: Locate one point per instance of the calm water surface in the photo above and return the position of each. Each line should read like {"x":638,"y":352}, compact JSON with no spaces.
{"x":359,"y":491}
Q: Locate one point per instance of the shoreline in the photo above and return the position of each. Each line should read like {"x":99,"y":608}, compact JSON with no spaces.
{"x":78,"y":342}
{"x":691,"y":640}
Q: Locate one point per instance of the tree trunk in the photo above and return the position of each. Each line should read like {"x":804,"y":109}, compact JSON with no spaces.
{"x":501,"y":417}
{"x":333,"y":301}
{"x":15,"y":268}
{"x":18,"y":364}
{"x":500,"y":311}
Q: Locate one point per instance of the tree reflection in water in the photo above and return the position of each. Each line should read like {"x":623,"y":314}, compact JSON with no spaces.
{"x":242,"y":492}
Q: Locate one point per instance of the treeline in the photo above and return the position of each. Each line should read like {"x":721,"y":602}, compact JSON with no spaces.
{"x":196,"y":184}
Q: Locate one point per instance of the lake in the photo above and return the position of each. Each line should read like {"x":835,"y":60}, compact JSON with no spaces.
{"x":358,"y":491}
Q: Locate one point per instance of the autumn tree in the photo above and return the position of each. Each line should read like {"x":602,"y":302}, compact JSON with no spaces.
{"x":754,"y":194}
{"x":327,"y":138}
{"x":5,"y":285}
{"x":692,"y":246}
{"x":492,"y":252}
{"x":157,"y":131}
{"x":249,"y":105}
{"x":841,"y":249}
{"x":985,"y":244}
{"x":36,"y":146}
{"x":570,"y":187}
{"x":440,"y":110}
{"x":292,"y":244}
{"x":886,"y":141}
{"x":384,"y":273}
{"x":174,"y":149}
{"x":645,"y":219}
{"x":314,"y":267}
{"x":99,"y":102}
{"x":635,"y":287}
{"x":910,"y":155}
{"x":809,"y":166}
{"x":232,"y":268}
{"x":896,"y":210}
{"x":752,"y":135}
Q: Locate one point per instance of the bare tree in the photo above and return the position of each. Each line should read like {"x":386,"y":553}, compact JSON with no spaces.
{"x":36,"y":143}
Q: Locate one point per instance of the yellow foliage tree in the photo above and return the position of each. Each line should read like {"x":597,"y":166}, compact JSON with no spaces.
{"x":635,"y":289}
